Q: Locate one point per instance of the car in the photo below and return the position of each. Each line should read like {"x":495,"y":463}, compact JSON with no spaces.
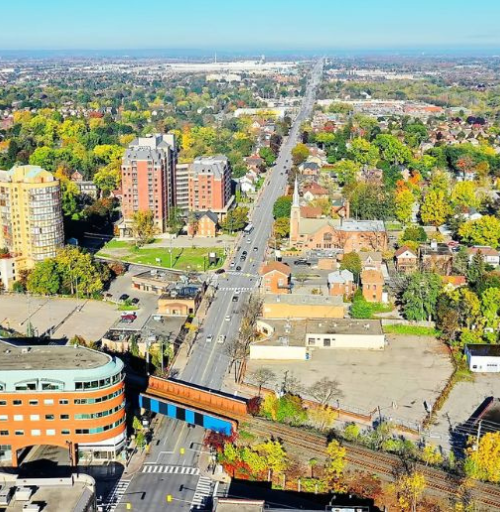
{"x":135,"y":301}
{"x":281,"y":173}
{"x":124,"y":296}
{"x":232,"y":264}
{"x":235,"y":298}
{"x":228,"y":318}
{"x":128,"y":318}
{"x":220,"y":271}
{"x":244,"y":253}
{"x":237,"y":291}
{"x":238,"y":268}
{"x":249,"y":240}
{"x":221,"y":338}
{"x":238,"y":249}
{"x":301,"y":262}
{"x":255,"y":249}
{"x":209,"y":338}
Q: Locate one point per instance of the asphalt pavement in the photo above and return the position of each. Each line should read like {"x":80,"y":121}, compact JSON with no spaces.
{"x":208,"y":362}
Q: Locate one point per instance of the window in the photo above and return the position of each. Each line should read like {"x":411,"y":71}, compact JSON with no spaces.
{"x":33,"y":402}
{"x":311,"y":341}
{"x":18,"y":417}
{"x":4,"y":417}
{"x":36,"y":432}
{"x":48,"y":401}
{"x":4,"y":432}
{"x":3,"y":402}
{"x":65,"y":416}
{"x":50,"y":432}
{"x":49,"y":417}
{"x":65,"y":432}
{"x":19,"y":433}
{"x":34,"y":417}
{"x":327,"y":342}
{"x":63,"y":402}
{"x":17,"y":402}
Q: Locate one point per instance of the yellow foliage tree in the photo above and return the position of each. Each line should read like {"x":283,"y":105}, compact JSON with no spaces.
{"x":409,"y":489}
{"x":431,"y":455}
{"x":483,"y":459}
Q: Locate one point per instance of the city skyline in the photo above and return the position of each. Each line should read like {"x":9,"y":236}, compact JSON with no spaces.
{"x":257,"y":25}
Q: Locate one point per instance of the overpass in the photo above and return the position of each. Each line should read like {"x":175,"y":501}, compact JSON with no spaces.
{"x":196,"y":405}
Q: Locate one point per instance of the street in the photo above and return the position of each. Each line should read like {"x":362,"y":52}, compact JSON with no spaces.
{"x":208,"y":361}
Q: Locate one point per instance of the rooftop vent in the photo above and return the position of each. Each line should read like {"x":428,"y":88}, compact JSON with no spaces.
{"x":25,"y":350}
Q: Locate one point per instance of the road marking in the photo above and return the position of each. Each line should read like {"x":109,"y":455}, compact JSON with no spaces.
{"x":182,"y":470}
{"x":115,"y":495}
{"x":204,"y":489}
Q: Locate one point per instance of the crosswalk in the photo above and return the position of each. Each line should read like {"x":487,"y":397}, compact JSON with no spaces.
{"x":115,"y":495}
{"x":232,"y":288}
{"x":175,"y":470}
{"x":203,"y":493}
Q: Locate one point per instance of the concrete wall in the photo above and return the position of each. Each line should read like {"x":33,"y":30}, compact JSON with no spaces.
{"x":351,"y":341}
{"x":277,"y":352}
{"x":280,"y":310}
{"x":484,"y":364}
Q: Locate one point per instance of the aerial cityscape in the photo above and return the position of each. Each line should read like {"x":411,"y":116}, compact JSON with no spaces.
{"x":250,"y":256}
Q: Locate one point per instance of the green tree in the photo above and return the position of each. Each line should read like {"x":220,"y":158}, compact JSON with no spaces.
{"x":477,"y":270}
{"x":282,"y":207}
{"x":363,"y":152}
{"x":414,"y":234}
{"x":392,"y":150}
{"x":236,"y":219}
{"x":415,"y":134}
{"x":268,"y":156}
{"x":107,"y":179}
{"x":174,"y":221}
{"x":143,"y":227}
{"x":484,"y":231}
{"x":435,"y":208}
{"x":300,"y":153}
{"x":347,"y":172}
{"x":461,"y":261}
{"x":352,"y":262}
{"x":490,"y":308}
{"x":464,"y":195}
{"x":419,"y":299}
{"x":44,"y":279}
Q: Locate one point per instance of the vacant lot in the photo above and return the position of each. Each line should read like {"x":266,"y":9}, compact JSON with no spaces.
{"x":190,"y":259}
{"x":410,"y":371}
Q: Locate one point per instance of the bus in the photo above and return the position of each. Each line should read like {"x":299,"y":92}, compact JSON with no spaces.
{"x":248,"y":229}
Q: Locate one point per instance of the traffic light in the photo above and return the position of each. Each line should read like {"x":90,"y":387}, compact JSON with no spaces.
{"x":129,"y":506}
{"x":169,"y":498}
{"x":182,"y":451}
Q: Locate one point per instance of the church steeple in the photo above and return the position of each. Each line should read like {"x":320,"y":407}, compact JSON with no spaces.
{"x":295,"y":215}
{"x":296,"y":198}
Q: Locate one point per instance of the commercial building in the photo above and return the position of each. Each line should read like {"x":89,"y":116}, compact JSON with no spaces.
{"x":302,"y":306}
{"x":483,"y":358}
{"x":148,"y":179}
{"x":66,"y":396}
{"x":276,"y":277}
{"x":210,"y":185}
{"x":31,"y":223}
{"x":298,"y":340}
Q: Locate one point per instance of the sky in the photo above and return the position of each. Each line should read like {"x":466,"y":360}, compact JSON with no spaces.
{"x":232,"y":25}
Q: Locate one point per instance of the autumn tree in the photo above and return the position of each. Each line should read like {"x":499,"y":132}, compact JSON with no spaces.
{"x":484,"y":231}
{"x":281,"y":228}
{"x":347,"y":172}
{"x":409,"y":489}
{"x":143,"y":227}
{"x":363,"y":152}
{"x":336,"y":462}
{"x":464,"y":195}
{"x":435,"y":208}
{"x":482,"y":460}
{"x":300,"y":153}
{"x":274,"y":456}
{"x":403,"y":205}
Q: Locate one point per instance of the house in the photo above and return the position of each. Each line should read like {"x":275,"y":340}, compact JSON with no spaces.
{"x":372,"y":284}
{"x":483,"y":358}
{"x":310,"y":212}
{"x":276,"y":278}
{"x":490,"y":255}
{"x":341,"y":283}
{"x":406,"y":260}
{"x":309,"y":168}
{"x":436,"y":257}
{"x":179,"y":300}
{"x":255,"y":163}
{"x":204,"y":224}
{"x":451,"y":283}
{"x":370,"y":260}
{"x":314,"y":191}
{"x":86,"y":187}
{"x":340,"y":207}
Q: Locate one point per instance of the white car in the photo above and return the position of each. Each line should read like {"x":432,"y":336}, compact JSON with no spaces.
{"x":232,"y":264}
{"x":209,"y":338}
{"x":237,"y":291}
{"x":228,"y":318}
{"x":249,"y":240}
{"x":221,"y":338}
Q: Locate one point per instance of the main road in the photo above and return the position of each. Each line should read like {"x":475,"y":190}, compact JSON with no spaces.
{"x":177,"y":445}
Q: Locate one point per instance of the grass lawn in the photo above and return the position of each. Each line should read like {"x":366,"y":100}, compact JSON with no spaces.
{"x":117,"y":244}
{"x":182,"y":258}
{"x":410,"y":330}
{"x":393,"y":226}
{"x":130,"y":307}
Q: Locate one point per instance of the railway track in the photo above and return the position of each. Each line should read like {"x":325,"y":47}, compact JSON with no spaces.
{"x":381,"y":463}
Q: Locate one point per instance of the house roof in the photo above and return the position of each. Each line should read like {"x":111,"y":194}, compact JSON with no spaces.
{"x":211,"y":215}
{"x":310,"y":212}
{"x":372,"y":276}
{"x":402,"y":250}
{"x":310,"y":226}
{"x":485,"y":250}
{"x":370,"y":255}
{"x":455,"y":281}
{"x":340,"y":277}
{"x":484,"y":350}
{"x":315,"y":189}
{"x":275,"y":266}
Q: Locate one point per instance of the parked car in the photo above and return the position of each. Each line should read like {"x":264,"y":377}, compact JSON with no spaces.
{"x":128,"y":318}
{"x":228,"y":318}
{"x":255,"y":249}
{"x":220,"y":271}
{"x":209,"y":338}
{"x":135,"y":301}
{"x":301,"y":262}
{"x":235,"y":298}
{"x":244,"y":253}
{"x":238,"y":268}
{"x":221,"y":338}
{"x":124,"y":296}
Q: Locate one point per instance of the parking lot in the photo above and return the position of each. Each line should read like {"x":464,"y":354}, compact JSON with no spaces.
{"x":400,"y":379}
{"x":62,"y":317}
